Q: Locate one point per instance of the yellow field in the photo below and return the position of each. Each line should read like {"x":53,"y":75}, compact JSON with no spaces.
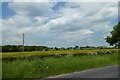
{"x":48,"y":53}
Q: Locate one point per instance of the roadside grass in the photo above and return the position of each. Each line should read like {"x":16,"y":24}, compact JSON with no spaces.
{"x":51,"y":66}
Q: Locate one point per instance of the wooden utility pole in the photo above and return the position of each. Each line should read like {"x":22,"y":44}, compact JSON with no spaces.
{"x":23,"y":42}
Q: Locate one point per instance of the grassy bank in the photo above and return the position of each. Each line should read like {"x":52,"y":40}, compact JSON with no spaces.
{"x":50,"y":66}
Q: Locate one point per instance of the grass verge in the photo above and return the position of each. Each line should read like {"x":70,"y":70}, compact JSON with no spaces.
{"x":51,"y":66}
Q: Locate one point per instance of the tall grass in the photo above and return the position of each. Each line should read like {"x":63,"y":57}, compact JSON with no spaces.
{"x":50,"y":66}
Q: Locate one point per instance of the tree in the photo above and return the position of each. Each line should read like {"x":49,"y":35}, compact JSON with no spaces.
{"x":76,"y":47}
{"x":114,"y":39}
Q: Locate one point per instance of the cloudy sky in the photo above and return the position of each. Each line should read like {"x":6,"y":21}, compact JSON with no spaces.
{"x":60,"y":24}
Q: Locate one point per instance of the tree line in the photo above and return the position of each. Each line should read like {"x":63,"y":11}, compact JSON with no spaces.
{"x":19,"y":48}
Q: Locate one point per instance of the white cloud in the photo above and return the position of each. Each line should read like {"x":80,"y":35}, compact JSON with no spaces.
{"x":76,"y":35}
{"x":73,"y":23}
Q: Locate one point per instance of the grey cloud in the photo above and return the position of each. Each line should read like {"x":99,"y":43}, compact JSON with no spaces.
{"x":32,"y":8}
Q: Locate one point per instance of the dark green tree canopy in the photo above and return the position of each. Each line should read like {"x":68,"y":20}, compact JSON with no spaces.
{"x":114,"y":39}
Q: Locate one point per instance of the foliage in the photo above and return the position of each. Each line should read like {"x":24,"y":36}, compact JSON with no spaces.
{"x":114,"y":39}
{"x":19,"y":48}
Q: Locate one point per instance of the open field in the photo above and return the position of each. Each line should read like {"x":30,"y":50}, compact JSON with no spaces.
{"x":50,"y":66}
{"x":63,"y":61}
{"x":52,"y":53}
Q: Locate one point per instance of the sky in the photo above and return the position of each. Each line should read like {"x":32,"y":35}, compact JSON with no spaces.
{"x":60,"y":24}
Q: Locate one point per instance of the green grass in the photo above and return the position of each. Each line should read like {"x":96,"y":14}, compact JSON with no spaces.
{"x":51,"y":66}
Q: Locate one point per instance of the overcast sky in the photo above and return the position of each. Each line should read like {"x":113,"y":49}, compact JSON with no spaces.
{"x":59,"y":24}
